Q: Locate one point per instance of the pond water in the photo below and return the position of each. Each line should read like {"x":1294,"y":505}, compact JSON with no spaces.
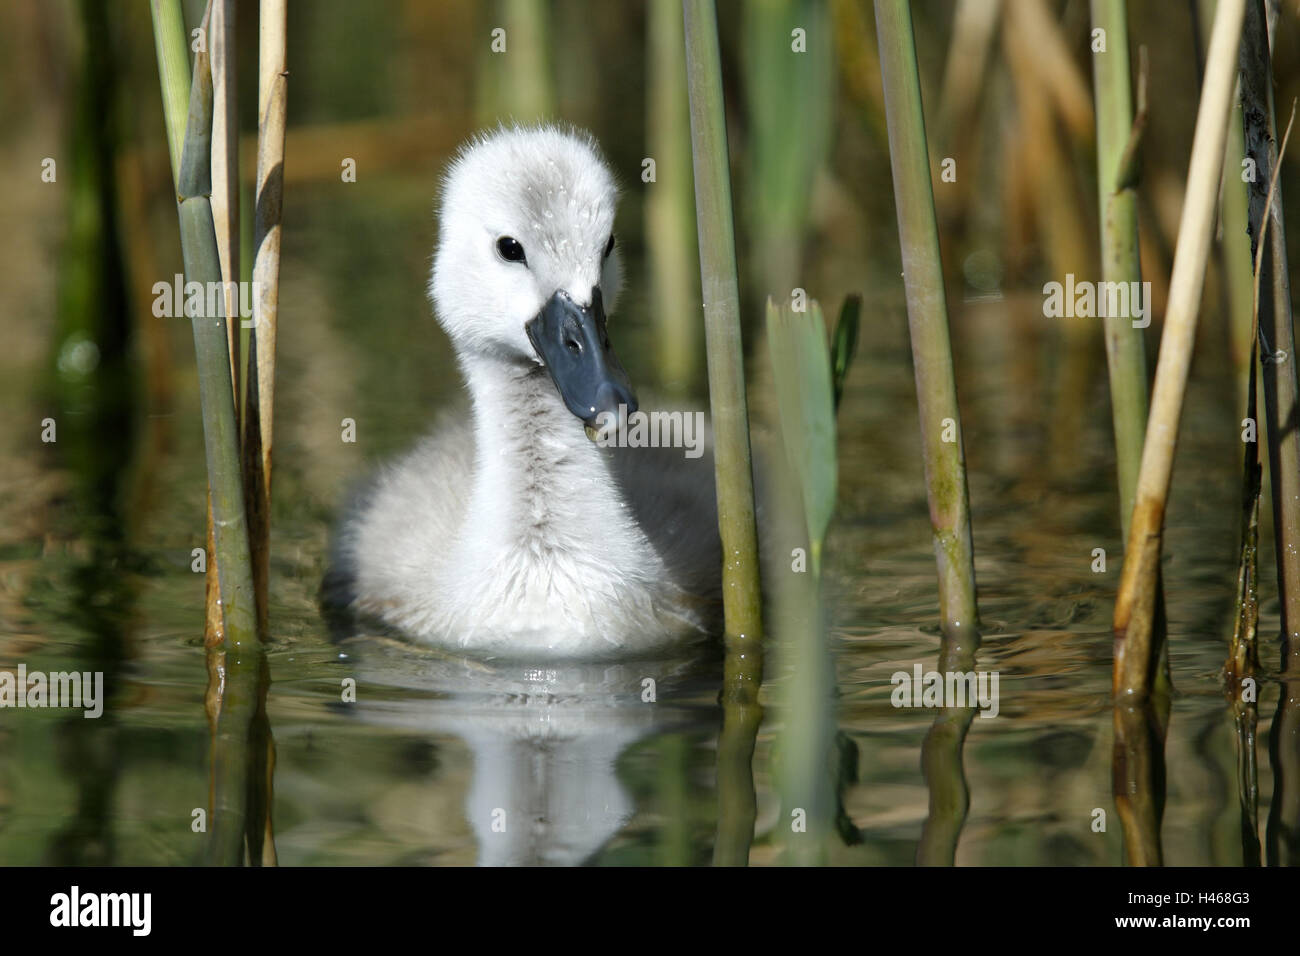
{"x":95,"y":574}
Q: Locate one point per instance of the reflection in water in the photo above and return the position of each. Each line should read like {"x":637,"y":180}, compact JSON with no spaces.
{"x":941,"y":761}
{"x":1139,"y":776}
{"x":1283,"y":834}
{"x":93,"y":390}
{"x":242,"y":765}
{"x":737,"y":798}
{"x":546,"y":737}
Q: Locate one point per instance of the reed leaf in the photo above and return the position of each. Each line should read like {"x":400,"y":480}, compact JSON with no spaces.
{"x":806,"y":769}
{"x":789,"y":96}
{"x":845,"y":344}
{"x":173,"y":73}
{"x":805,"y":398}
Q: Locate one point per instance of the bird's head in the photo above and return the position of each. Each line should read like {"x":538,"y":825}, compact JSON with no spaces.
{"x":527,"y":263}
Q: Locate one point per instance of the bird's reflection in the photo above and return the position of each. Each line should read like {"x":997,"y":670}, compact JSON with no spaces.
{"x":546,"y":736}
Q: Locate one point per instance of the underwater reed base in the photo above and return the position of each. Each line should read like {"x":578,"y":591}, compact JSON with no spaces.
{"x":742,"y":600}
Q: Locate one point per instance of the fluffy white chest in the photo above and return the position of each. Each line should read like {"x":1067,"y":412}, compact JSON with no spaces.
{"x":545,"y":556}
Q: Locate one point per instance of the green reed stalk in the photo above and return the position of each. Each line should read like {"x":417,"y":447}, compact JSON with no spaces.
{"x":518,"y":83}
{"x":940,"y":419}
{"x":1117,"y":213}
{"x":670,"y":203}
{"x":927,"y":315}
{"x":722,"y":324}
{"x":788,"y":97}
{"x":1235,"y":248}
{"x":221,"y":442}
{"x":1137,"y":602}
{"x":174,"y":73}
{"x":742,"y":600}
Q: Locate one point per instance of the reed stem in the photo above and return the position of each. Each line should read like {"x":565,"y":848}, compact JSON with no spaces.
{"x":1135,"y":606}
{"x":259,"y":417}
{"x":173,"y":73}
{"x":244,"y":661}
{"x":1275,"y":329}
{"x":1117,"y":213}
{"x":927,"y":315}
{"x":1278,"y":380}
{"x":670,"y":203}
{"x":789,"y":97}
{"x":722,"y":325}
{"x":742,"y":600}
{"x":225,"y":172}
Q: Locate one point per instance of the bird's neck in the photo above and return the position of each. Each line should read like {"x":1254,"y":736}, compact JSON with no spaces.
{"x":540,"y":483}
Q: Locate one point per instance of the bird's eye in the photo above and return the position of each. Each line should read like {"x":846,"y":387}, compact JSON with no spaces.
{"x":609,"y":246}
{"x":510,"y":249}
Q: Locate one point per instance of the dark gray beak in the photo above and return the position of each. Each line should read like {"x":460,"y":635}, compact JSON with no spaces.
{"x":573,"y":343}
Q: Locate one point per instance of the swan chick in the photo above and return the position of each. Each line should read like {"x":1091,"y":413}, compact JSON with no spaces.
{"x":509,"y":532}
